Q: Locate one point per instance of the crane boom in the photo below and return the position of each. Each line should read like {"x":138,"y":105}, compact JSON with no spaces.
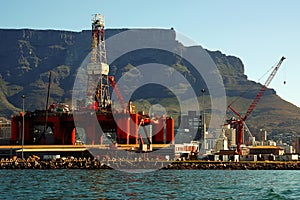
{"x":235,"y":112}
{"x":263,"y":89}
{"x":268,"y":81}
{"x":114,"y":85}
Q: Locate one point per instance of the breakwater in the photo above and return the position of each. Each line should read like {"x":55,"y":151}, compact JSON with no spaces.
{"x":61,"y":163}
{"x":88,"y":163}
{"x":243,"y":165}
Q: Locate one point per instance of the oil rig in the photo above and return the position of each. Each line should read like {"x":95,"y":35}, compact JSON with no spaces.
{"x":127,"y":128}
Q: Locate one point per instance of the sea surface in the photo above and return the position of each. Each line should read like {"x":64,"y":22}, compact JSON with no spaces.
{"x":162,"y":184}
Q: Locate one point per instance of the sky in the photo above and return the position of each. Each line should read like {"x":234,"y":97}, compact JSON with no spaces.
{"x":258,"y":32}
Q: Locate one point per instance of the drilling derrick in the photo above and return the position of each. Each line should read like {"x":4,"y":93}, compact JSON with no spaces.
{"x":98,"y":95}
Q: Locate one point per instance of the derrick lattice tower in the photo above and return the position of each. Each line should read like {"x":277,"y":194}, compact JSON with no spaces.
{"x":98,"y":69}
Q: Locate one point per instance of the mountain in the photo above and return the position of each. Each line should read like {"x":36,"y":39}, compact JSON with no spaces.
{"x":27,"y":56}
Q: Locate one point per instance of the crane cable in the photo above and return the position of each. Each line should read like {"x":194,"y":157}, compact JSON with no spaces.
{"x":284,"y":76}
{"x":247,"y":90}
{"x":251,"y":86}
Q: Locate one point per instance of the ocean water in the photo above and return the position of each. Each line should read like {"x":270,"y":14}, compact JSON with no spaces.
{"x":162,"y":184}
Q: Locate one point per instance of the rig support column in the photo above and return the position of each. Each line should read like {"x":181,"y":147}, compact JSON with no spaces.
{"x":170,"y":130}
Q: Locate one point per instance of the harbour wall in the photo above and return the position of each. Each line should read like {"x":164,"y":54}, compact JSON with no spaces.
{"x":88,"y":163}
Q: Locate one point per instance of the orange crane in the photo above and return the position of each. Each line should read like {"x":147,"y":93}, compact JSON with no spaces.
{"x":240,"y":122}
{"x":113,"y":84}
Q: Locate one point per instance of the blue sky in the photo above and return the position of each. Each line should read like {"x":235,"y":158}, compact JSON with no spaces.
{"x":258,"y":32}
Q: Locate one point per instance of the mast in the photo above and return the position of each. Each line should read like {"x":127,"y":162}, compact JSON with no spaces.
{"x":98,"y":95}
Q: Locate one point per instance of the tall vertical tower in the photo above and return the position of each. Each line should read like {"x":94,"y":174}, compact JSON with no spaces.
{"x":298,"y":144}
{"x":98,"y":87}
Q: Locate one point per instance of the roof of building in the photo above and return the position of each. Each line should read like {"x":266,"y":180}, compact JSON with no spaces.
{"x":266,"y":147}
{"x":227,"y":152}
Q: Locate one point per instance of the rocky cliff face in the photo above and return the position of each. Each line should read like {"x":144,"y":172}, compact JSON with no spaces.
{"x":27,"y":56}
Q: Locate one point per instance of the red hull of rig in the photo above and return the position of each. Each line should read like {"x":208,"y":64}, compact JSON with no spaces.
{"x":64,"y":131}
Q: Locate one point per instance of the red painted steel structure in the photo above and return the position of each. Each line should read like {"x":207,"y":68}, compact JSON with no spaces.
{"x":158,"y":132}
{"x":123,"y":130}
{"x":239,"y":123}
{"x":14,"y":136}
{"x":64,"y":130}
{"x":170,"y":136}
{"x":134,"y":129}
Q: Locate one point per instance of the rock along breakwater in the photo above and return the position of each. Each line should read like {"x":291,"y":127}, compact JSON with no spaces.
{"x":89,"y":163}
{"x":61,"y":163}
{"x":245,"y":165}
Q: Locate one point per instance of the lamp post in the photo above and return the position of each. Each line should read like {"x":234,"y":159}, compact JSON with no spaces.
{"x":203,"y":117}
{"x":203,"y":121}
{"x":23,"y":125}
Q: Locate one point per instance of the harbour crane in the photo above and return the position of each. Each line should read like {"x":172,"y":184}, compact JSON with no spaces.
{"x":239,"y":123}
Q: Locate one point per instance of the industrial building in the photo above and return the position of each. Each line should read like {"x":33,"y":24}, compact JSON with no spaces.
{"x":298,"y":144}
{"x":5,"y":129}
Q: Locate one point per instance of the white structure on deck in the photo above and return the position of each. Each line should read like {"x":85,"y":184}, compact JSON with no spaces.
{"x":222,"y":142}
{"x":186,"y":149}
